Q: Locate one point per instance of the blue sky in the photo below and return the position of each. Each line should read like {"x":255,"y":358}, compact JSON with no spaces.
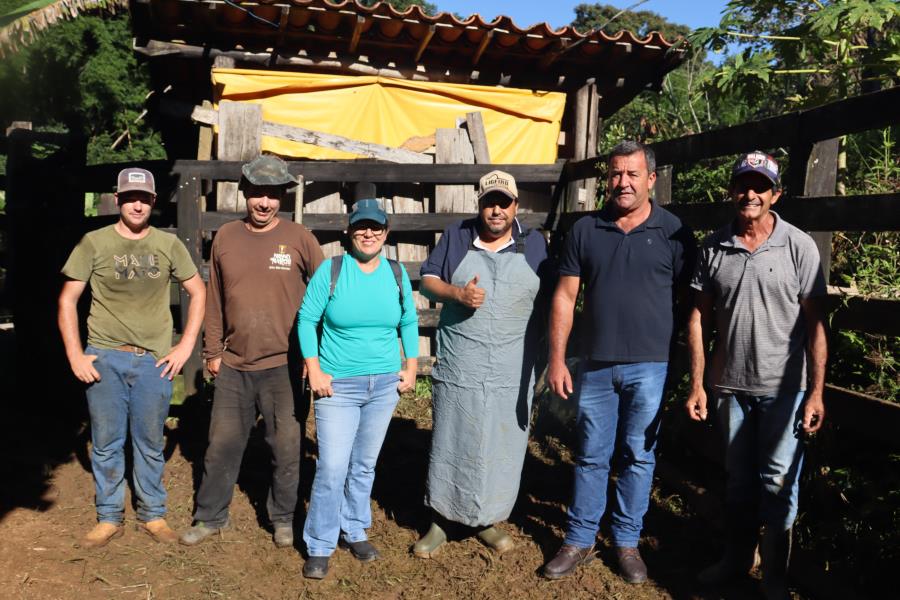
{"x":694,"y":13}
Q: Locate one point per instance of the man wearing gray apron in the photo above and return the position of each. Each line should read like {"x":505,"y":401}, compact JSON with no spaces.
{"x":487,"y":273}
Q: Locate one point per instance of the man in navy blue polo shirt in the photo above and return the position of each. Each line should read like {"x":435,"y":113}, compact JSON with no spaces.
{"x":630,"y":256}
{"x":488,"y":272}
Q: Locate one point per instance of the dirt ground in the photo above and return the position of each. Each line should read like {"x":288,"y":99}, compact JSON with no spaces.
{"x":49,"y":506}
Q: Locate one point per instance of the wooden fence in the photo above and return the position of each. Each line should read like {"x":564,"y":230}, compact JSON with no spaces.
{"x":810,"y":203}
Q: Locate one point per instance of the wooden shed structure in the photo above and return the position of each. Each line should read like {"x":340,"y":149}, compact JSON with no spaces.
{"x":197,"y":48}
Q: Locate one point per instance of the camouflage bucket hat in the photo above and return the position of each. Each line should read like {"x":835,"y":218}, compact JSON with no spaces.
{"x":267,"y":170}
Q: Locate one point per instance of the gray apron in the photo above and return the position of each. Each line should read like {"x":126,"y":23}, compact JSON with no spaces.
{"x":483,"y":383}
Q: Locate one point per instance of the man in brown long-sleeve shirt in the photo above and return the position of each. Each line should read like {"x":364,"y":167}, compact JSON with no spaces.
{"x":257,"y":277}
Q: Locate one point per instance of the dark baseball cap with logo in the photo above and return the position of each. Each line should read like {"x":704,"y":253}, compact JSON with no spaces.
{"x":134,"y":179}
{"x":267,"y":170}
{"x":756,"y":162}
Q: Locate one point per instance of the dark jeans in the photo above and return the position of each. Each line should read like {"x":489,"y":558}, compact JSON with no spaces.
{"x":238,"y":396}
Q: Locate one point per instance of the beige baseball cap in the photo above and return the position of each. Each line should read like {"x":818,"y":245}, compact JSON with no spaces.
{"x":498,"y":181}
{"x":135,"y":179}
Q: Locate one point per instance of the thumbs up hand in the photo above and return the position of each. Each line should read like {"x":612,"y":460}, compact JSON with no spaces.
{"x":471,"y":295}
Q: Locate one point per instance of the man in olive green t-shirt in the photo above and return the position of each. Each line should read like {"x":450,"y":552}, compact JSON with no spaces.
{"x":129,"y":361}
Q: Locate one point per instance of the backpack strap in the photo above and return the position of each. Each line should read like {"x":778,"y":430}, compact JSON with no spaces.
{"x":338,"y":261}
{"x":398,"y":276}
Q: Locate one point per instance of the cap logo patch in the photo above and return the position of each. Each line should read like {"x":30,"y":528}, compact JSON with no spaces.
{"x":137,"y":178}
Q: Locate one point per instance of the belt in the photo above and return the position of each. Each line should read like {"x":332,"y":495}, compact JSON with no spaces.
{"x":137,"y":351}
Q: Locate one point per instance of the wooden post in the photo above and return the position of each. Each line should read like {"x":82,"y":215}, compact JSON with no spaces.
{"x":452,"y":146}
{"x":475,"y":127}
{"x":662,"y":190}
{"x":580,"y":195}
{"x":415,"y":253}
{"x":363,"y":190}
{"x":821,"y":180}
{"x":188,"y":199}
{"x":240,"y":138}
{"x":298,"y":200}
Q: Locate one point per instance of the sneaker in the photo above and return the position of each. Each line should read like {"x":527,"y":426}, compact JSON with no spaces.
{"x":496,"y":539}
{"x":200,"y":532}
{"x":101,"y":534}
{"x":159,"y":530}
{"x":631,"y":565}
{"x":362,"y":551}
{"x":428,"y":546}
{"x":315,"y":567}
{"x":567,"y":560}
{"x":283,"y":535}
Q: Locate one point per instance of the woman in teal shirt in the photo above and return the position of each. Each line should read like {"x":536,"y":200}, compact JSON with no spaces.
{"x":354,"y":371}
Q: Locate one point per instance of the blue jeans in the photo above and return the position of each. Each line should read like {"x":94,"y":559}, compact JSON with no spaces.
{"x":763,"y":456}
{"x":130,"y":397}
{"x":618,"y":413}
{"x":350,"y":428}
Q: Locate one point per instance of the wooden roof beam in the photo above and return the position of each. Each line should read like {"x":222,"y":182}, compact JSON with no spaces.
{"x":482,"y":46}
{"x":426,"y":39}
{"x":357,"y":31}
{"x":550,"y":57}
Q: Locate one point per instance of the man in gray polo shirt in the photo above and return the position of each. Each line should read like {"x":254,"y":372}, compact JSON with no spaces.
{"x":762,"y":279}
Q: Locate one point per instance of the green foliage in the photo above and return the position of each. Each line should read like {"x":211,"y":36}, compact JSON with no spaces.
{"x":641,"y":23}
{"x":423,"y":387}
{"x":82,"y":76}
{"x":402,"y":5}
{"x":822,"y":50}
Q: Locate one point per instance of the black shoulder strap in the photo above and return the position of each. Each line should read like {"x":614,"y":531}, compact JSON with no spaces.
{"x":398,"y":276}
{"x":336,"y":263}
{"x":520,"y":242}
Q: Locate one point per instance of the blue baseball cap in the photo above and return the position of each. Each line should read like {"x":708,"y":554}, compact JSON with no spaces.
{"x":756,"y":162}
{"x":368,"y":210}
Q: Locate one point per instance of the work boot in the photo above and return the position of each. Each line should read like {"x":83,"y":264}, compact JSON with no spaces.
{"x":736,"y":561}
{"x":775,"y":554}
{"x":101,"y":534}
{"x":200,"y":531}
{"x":283,"y":535}
{"x":363,"y":551}
{"x":159,"y":530}
{"x":315,"y":567}
{"x":496,"y":539}
{"x":631,"y":564}
{"x":567,"y":560}
{"x":428,"y":546}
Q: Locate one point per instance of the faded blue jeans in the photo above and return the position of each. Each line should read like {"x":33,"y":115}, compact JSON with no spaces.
{"x":618,"y":420}
{"x":350,"y":428}
{"x":763,"y":456}
{"x":130,"y":397}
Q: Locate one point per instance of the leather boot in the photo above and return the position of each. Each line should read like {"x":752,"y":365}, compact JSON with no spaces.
{"x":738,"y":558}
{"x":775,"y":552}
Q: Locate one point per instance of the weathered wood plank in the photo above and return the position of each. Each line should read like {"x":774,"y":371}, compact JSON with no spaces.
{"x":189,"y":231}
{"x":860,"y":113}
{"x":331,"y":221}
{"x":870,"y":417}
{"x":876,"y":212}
{"x":238,"y":139}
{"x":872,"y":315}
{"x":820,"y":179}
{"x":319,"y":138}
{"x":452,"y":146}
{"x":475,"y":127}
{"x":376,"y":172}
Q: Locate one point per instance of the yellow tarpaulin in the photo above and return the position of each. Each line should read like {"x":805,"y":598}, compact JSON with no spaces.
{"x":521,"y":126}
